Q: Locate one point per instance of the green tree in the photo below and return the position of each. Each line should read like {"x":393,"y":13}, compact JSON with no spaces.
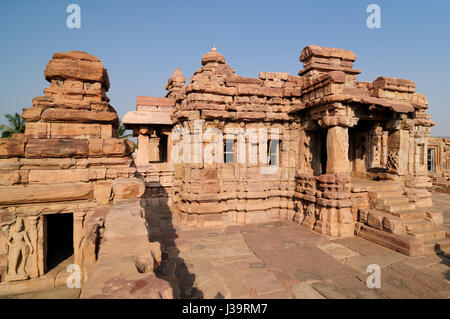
{"x":122,"y":133}
{"x":16,"y":124}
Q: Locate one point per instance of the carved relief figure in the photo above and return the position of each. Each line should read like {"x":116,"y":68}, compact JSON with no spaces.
{"x":305,"y":153}
{"x":377,"y":145}
{"x":392,"y":162}
{"x":310,"y":210}
{"x":308,"y":154}
{"x":19,"y":247}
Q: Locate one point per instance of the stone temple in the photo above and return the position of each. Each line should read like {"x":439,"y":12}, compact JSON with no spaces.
{"x":335,"y":155}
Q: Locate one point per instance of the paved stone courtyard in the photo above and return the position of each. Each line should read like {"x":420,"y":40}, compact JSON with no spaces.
{"x":284,"y":260}
{"x":278,"y":260}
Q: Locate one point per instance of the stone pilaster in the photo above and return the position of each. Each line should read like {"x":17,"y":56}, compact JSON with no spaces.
{"x":78,"y":220}
{"x":337,"y":151}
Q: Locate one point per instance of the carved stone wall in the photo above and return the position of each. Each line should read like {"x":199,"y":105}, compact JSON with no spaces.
{"x":68,"y":161}
{"x":331,"y":127}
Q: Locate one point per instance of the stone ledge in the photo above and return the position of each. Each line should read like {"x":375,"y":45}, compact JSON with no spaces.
{"x":127,"y":259}
{"x":404,"y":244}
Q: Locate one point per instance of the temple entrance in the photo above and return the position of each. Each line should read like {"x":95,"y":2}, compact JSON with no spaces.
{"x":314,"y":149}
{"x":59,"y":238}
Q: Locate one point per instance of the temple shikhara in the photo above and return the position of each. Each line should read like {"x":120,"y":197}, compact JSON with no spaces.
{"x":321,"y":150}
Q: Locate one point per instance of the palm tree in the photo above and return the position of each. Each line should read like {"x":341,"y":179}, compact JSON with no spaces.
{"x":16,"y":124}
{"x":122,"y":132}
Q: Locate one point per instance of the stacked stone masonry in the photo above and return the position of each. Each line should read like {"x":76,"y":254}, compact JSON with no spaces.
{"x":321,"y":149}
{"x":333,"y":131}
{"x":69,"y":161}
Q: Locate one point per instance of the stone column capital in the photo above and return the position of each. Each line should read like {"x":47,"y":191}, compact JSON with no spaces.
{"x":337,"y":120}
{"x":79,"y":215}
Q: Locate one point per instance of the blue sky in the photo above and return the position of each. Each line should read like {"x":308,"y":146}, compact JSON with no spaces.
{"x":142,"y":42}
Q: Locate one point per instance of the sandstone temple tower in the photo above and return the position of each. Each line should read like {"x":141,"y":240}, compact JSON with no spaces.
{"x":350,"y":156}
{"x":321,"y":149}
{"x":66,"y":178}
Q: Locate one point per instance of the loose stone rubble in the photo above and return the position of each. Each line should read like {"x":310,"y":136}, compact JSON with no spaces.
{"x":71,"y":161}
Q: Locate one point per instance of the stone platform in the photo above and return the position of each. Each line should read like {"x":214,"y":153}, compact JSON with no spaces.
{"x":276,"y":260}
{"x":285,"y":260}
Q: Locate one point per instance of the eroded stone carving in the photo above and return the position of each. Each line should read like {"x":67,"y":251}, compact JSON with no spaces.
{"x":392,"y":161}
{"x":19,"y":247}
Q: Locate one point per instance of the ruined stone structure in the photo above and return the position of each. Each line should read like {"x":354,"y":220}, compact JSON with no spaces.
{"x":152,"y":158}
{"x":69,"y":184}
{"x":344,"y":157}
{"x":321,"y":149}
{"x":439,"y":163}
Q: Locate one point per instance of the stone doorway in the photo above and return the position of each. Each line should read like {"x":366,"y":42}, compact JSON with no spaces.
{"x":314,"y":157}
{"x":59,"y":239}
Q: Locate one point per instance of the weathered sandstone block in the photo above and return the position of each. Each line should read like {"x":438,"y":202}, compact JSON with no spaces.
{"x":40,"y":148}
{"x":44,"y":193}
{"x":102,"y":192}
{"x":9,"y":177}
{"x":75,"y":131}
{"x":80,"y":116}
{"x":58,"y":176}
{"x":37,"y":130}
{"x":128,"y":188}
{"x":12,"y":147}
{"x":32,"y":114}
{"x":74,"y":69}
{"x":117,"y":147}
{"x":394,"y":225}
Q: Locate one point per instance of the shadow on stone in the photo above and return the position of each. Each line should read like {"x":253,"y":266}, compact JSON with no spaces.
{"x":173,"y":268}
{"x":219,"y":296}
{"x":444,"y":259}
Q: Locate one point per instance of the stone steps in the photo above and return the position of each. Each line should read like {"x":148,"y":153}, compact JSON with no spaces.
{"x":396,"y":207}
{"x":418,"y":225}
{"x":385,"y":194}
{"x":389,"y":201}
{"x":425,"y":237}
{"x":410,"y":215}
{"x":437,"y":246}
{"x":384,"y":187}
{"x":429,"y":235}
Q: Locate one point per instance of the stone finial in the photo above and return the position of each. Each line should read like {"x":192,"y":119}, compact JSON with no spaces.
{"x":177,"y":76}
{"x":213,"y":56}
{"x":76,"y":66}
{"x":176,"y":80}
{"x":175,"y":85}
{"x":317,"y":60}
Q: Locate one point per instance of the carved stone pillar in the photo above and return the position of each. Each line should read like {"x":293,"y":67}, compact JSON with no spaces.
{"x":20,"y":251}
{"x":377,"y":147}
{"x":153,"y":153}
{"x":337,"y":151}
{"x":78,"y":220}
{"x":143,"y":147}
{"x":169,"y":146}
{"x":33,"y":263}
